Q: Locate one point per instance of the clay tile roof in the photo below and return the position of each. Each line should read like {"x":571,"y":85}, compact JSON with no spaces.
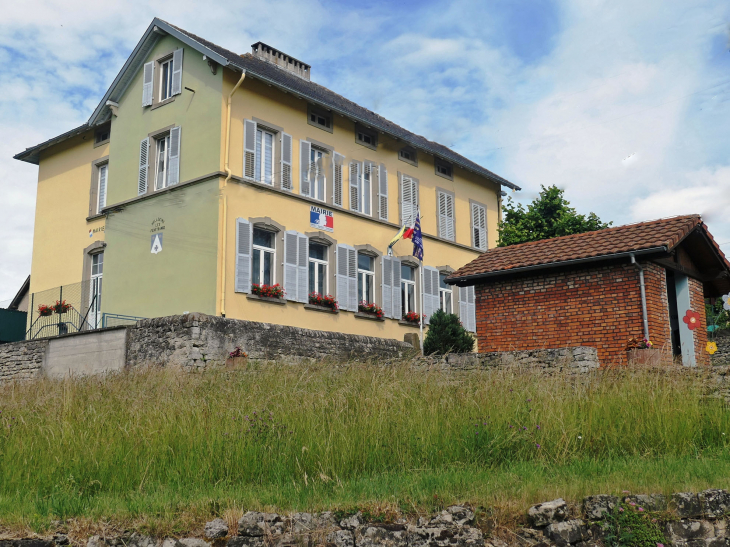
{"x":643,"y":236}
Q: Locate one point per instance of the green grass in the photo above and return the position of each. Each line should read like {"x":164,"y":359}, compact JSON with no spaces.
{"x":162,"y":451}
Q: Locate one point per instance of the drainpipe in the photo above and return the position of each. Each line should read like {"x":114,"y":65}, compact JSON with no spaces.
{"x":643,"y":295}
{"x":225,"y":198}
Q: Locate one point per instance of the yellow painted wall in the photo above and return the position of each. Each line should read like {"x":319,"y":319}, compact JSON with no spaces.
{"x":62,"y":205}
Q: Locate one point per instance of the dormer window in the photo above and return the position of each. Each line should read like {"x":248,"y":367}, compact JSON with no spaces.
{"x":319,"y":118}
{"x":366,"y":137}
{"x":443,"y":169}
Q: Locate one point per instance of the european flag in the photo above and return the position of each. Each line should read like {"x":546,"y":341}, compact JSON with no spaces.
{"x":418,"y":238}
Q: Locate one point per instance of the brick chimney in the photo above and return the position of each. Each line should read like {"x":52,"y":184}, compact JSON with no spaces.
{"x":280,"y":59}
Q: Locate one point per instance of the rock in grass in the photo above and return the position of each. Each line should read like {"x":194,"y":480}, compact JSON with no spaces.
{"x":549,"y":512}
{"x":562,"y":533}
{"x":687,"y":505}
{"x":688,"y":530}
{"x":216,"y":529}
{"x":341,"y":538}
{"x":445,"y":536}
{"x":714,"y":503}
{"x":376,"y":535}
{"x":352,"y":522}
{"x":596,"y":507}
{"x":302,"y":523}
{"x":649,"y":502}
{"x":256,"y":524}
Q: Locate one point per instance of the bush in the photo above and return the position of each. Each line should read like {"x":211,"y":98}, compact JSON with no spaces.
{"x":447,"y":335}
{"x":629,"y":524}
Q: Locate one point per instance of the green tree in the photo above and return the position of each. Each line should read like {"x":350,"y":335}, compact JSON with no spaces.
{"x":549,"y":215}
{"x":446,"y":335}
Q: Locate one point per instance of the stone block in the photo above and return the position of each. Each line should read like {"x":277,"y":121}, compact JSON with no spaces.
{"x":256,"y":524}
{"x":687,"y":505}
{"x":341,"y":538}
{"x":714,"y":503}
{"x":386,"y":535}
{"x":216,"y":529}
{"x":445,"y":536}
{"x":352,"y":522}
{"x":567,"y":532}
{"x":547,"y":513}
{"x":684,"y":530}
{"x":649,"y":502}
{"x":596,"y":507}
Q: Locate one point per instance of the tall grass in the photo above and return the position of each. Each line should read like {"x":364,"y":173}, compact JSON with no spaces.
{"x":159,"y":441}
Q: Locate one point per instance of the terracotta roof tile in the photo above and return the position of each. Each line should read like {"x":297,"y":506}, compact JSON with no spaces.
{"x":665,"y":232}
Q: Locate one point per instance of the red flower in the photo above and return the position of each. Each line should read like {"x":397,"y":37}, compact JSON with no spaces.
{"x":692,"y":318}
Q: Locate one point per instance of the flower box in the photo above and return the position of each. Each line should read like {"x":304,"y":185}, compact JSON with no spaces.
{"x":413,"y":318}
{"x":45,"y":311}
{"x":649,"y":357}
{"x":370,"y":309}
{"x":323,"y":301}
{"x":268,"y":291}
{"x":61,"y":307}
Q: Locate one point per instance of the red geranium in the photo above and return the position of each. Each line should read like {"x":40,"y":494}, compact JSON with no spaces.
{"x":413,"y":317}
{"x":692,"y":318}
{"x":267,"y":291}
{"x":44,"y":311}
{"x":372,"y":309}
{"x":327,"y":301}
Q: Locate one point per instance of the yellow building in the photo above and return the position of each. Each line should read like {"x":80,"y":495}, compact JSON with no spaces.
{"x":204,"y":174}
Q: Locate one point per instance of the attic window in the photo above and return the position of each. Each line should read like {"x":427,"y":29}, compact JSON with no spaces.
{"x":366,"y":137}
{"x":319,"y":118}
{"x":102,"y":135}
{"x":408,"y":155}
{"x":443,"y":168}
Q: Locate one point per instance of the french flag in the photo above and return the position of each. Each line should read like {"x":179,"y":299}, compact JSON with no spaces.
{"x":320,"y":219}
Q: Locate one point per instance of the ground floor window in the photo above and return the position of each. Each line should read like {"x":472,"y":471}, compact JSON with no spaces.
{"x":365,"y":278}
{"x":317,"y":268}
{"x":264,"y":249}
{"x":445,"y":294}
{"x":407,"y":289}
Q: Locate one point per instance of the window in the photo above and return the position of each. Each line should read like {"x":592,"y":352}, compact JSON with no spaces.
{"x":166,"y":79}
{"x":367,"y":176}
{"x":317,"y":173}
{"x":264,"y":169}
{"x":445,"y":294}
{"x":264,"y":249}
{"x":479,"y":226}
{"x":409,"y":200}
{"x":443,"y":168}
{"x":101,"y":188}
{"x":319,"y":118}
{"x":318,"y":268}
{"x":407,"y":289}
{"x":102,"y":135}
{"x":162,"y":159}
{"x":97,"y":271}
{"x":366,"y":137}
{"x":408,"y":155}
{"x":365,"y":278}
{"x":361,"y":179}
{"x":445,"y":214}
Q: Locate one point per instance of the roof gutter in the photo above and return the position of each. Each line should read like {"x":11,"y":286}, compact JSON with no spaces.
{"x":466,"y":280}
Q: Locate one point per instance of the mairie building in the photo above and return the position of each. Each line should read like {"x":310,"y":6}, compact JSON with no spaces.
{"x":204,"y":174}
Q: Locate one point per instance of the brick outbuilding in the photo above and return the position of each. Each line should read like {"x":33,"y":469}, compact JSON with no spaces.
{"x":586,"y":289}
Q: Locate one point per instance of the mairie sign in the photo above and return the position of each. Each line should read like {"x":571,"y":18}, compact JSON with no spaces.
{"x":322,"y":219}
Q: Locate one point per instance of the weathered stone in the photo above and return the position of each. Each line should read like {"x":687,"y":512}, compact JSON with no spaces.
{"x":387,"y":535}
{"x":687,"y":505}
{"x":193,"y":542}
{"x":246,"y":541}
{"x":216,"y":529}
{"x":445,"y":536}
{"x":649,"y":502}
{"x":714,"y":503}
{"x":31,"y":542}
{"x":60,"y":539}
{"x":255,"y":524}
{"x":352,"y":522}
{"x":495,"y":542}
{"x":325,"y":520}
{"x":302,"y":523}
{"x":684,"y":530}
{"x":461,"y":515}
{"x":549,"y":512}
{"x":563,"y":533}
{"x":596,"y":507}
{"x":341,"y":538}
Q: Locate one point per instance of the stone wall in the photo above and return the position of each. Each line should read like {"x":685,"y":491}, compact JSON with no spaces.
{"x":722,"y":355}
{"x":22,"y":360}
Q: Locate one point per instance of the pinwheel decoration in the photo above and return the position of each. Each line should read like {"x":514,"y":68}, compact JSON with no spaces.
{"x":711,"y":347}
{"x":692,"y":318}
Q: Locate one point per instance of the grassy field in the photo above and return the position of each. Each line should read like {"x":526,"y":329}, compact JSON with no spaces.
{"x":162,"y":451}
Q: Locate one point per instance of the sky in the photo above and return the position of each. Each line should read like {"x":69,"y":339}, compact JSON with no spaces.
{"x":623,"y":104}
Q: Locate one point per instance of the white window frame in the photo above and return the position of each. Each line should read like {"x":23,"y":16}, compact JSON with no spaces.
{"x":476,"y":229}
{"x":442,"y":295}
{"x":261,"y":133}
{"x":263,"y":250}
{"x":405,"y":283}
{"x":101,"y":196}
{"x":366,"y":188}
{"x":166,"y":161}
{"x":95,"y":286}
{"x":165,"y":86}
{"x":362,"y":276}
{"x":320,"y":263}
{"x":316,"y":169}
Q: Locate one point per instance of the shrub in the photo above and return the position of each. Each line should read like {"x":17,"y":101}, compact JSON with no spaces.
{"x":446,"y":334}
{"x":629,"y":524}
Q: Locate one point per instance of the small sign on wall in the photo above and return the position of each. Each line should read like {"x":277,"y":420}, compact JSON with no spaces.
{"x":156,"y":243}
{"x":322,"y":219}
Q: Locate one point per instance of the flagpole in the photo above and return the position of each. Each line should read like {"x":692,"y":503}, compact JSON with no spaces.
{"x":420,"y":322}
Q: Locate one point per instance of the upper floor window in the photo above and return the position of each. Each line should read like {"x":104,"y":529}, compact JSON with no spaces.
{"x":361,"y":180}
{"x":407,"y":289}
{"x":162,"y":78}
{"x":445,"y":294}
{"x":103,"y":174}
{"x":102,"y":135}
{"x":162,"y":160}
{"x":479,"y":226}
{"x":264,"y":169}
{"x":443,"y":168}
{"x":319,"y":118}
{"x":165,"y":79}
{"x":318,"y":268}
{"x":408,"y":155}
{"x":445,"y":214}
{"x":317,"y":174}
{"x":408,"y":200}
{"x":365,"y":278}
{"x":264,"y":251}
{"x":159,"y":157}
{"x":366,"y":137}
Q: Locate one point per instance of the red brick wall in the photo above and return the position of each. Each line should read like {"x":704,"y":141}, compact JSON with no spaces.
{"x":598,"y":307}
{"x":697,"y":302}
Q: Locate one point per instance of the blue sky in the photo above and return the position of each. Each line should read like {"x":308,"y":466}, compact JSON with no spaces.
{"x":624,"y":104}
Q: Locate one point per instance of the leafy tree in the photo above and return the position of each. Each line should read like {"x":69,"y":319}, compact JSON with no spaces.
{"x":446,"y":335}
{"x":549,"y":215}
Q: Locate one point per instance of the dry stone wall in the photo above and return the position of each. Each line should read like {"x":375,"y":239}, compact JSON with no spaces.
{"x":22,"y":360}
{"x":722,"y":355}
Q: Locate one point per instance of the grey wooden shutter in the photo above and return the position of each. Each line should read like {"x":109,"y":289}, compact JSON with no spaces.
{"x":387,"y":286}
{"x":397,"y":305}
{"x":446,"y":216}
{"x":352,"y":278}
{"x":249,"y":149}
{"x":366,"y":193}
{"x":243,"y":255}
{"x":409,"y":200}
{"x":337,"y":161}
{"x":177,"y":62}
{"x":305,"y":155}
{"x":471,"y":309}
{"x":479,"y":226}
{"x":355,"y":185}
{"x":174,"y":160}
{"x":347,"y":277}
{"x":303,"y":268}
{"x":144,"y":151}
{"x":463,"y":310}
{"x":148,"y":73}
{"x":103,"y":173}
{"x":291,"y":265}
{"x":383,"y":193}
{"x":286,"y":161}
{"x":430,"y":292}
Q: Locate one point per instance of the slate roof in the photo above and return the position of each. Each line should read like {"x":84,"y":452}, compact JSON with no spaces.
{"x":656,"y":236}
{"x":279,"y":77}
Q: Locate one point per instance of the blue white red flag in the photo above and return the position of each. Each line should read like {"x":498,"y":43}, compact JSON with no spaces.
{"x":417,"y":238}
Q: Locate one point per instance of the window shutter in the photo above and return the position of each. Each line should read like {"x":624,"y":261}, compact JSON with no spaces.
{"x":430,"y":292}
{"x":396,"y":289}
{"x":355,"y":185}
{"x":366,"y":193}
{"x":446,"y":215}
{"x":147,"y":82}
{"x":352,"y":278}
{"x":337,"y":161}
{"x":174,"y":162}
{"x":286,"y":157}
{"x":479,"y":226}
{"x":103,"y":171}
{"x":463,"y":310}
{"x":387,"y":286}
{"x":409,"y":200}
{"x":177,"y":60}
{"x":346,"y":277}
{"x":305,"y":154}
{"x":303,"y":269}
{"x":291,"y":265}
{"x":383,"y":193}
{"x":249,"y":149}
{"x":144,"y":150}
{"x":471,"y":310}
{"x":243,"y":256}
